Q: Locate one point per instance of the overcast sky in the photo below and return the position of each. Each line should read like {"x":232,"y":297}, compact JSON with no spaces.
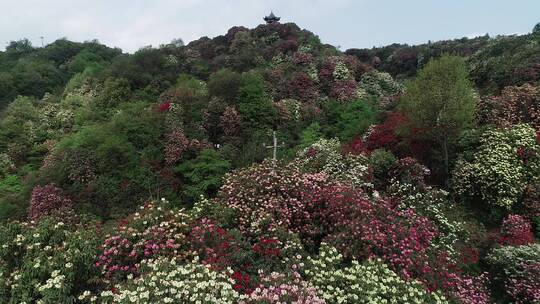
{"x":131,"y":24}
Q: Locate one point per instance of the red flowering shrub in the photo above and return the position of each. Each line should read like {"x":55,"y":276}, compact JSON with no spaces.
{"x":516,"y":231}
{"x":164,"y":106}
{"x":385,"y":135}
{"x":355,"y":147}
{"x":47,"y":200}
{"x":215,"y":245}
{"x":222,"y":249}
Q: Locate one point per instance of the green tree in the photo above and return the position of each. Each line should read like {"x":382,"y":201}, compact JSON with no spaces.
{"x":440,"y":104}
{"x":203,"y":175}
{"x":254,"y":105}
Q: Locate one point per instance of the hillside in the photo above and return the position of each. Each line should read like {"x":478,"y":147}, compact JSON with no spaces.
{"x":407,"y":174}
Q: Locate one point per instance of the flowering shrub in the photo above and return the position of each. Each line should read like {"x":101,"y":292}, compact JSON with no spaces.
{"x":169,"y":280}
{"x":302,"y":87}
{"x":47,"y":200}
{"x":385,"y":135}
{"x":46,"y":263}
{"x":516,"y":231}
{"x":378,"y":84}
{"x":515,"y":105}
{"x":496,"y":172}
{"x":151,"y":232}
{"x":215,"y":245}
{"x":410,"y":172}
{"x":341,"y":72}
{"x":177,"y":143}
{"x":267,"y":197}
{"x":344,"y":90}
{"x":230,"y":121}
{"x":370,"y":282}
{"x":279,"y":288}
{"x":324,"y":156}
{"x":516,"y":270}
{"x":472,"y":290}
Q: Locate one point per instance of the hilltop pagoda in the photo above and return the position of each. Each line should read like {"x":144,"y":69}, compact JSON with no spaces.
{"x":271,"y":18}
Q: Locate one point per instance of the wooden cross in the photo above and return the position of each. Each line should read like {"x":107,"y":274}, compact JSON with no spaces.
{"x":274,"y":147}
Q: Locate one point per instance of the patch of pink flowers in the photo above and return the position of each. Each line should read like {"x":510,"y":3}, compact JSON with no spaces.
{"x":473,"y":290}
{"x":47,"y":200}
{"x":278,"y":288}
{"x":515,"y":231}
{"x":524,"y":286}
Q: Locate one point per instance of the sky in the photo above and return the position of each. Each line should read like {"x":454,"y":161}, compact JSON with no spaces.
{"x":132,"y":24}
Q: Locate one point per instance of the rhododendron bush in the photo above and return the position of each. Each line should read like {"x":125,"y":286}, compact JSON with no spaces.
{"x":151,"y":232}
{"x":57,"y":258}
{"x":499,"y":171}
{"x":369,"y":282}
{"x":516,"y":270}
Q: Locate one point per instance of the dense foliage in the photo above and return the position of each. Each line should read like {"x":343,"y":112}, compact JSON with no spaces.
{"x":401,"y":174}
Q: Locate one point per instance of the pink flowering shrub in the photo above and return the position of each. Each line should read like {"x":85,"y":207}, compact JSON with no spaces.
{"x":516,"y":271}
{"x":302,"y":88}
{"x":524,"y":286}
{"x":47,"y":200}
{"x":516,"y":231}
{"x":265,"y":196}
{"x":472,"y":290}
{"x":177,"y":143}
{"x":344,"y":90}
{"x":151,"y":232}
{"x":279,"y":288}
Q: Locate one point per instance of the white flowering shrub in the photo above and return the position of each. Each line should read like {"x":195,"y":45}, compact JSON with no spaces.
{"x":500,"y":168}
{"x":324,"y":156}
{"x":167,"y":280}
{"x":47,"y":263}
{"x":369,"y":282}
{"x":435,"y":205}
{"x":378,"y":84}
{"x":341,"y":72}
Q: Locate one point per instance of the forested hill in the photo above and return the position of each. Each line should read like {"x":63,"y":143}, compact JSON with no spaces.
{"x":405,"y":174}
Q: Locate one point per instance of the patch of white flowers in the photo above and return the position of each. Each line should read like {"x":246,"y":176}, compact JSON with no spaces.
{"x":370,"y":282}
{"x":168,"y":281}
{"x":325,"y":156}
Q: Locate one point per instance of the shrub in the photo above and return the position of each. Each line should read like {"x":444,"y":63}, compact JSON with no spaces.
{"x":497,"y":172}
{"x":515,"y":270}
{"x":268,"y":195}
{"x":47,"y":200}
{"x":369,"y":282}
{"x":324,"y":156}
{"x":151,"y":232}
{"x":169,"y":280}
{"x":515,"y":105}
{"x":279,"y":288}
{"x":203,"y":175}
{"x":516,"y":231}
{"x":50,"y":262}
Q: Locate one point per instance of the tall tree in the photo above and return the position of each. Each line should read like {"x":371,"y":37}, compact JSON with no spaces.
{"x":440,"y":103}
